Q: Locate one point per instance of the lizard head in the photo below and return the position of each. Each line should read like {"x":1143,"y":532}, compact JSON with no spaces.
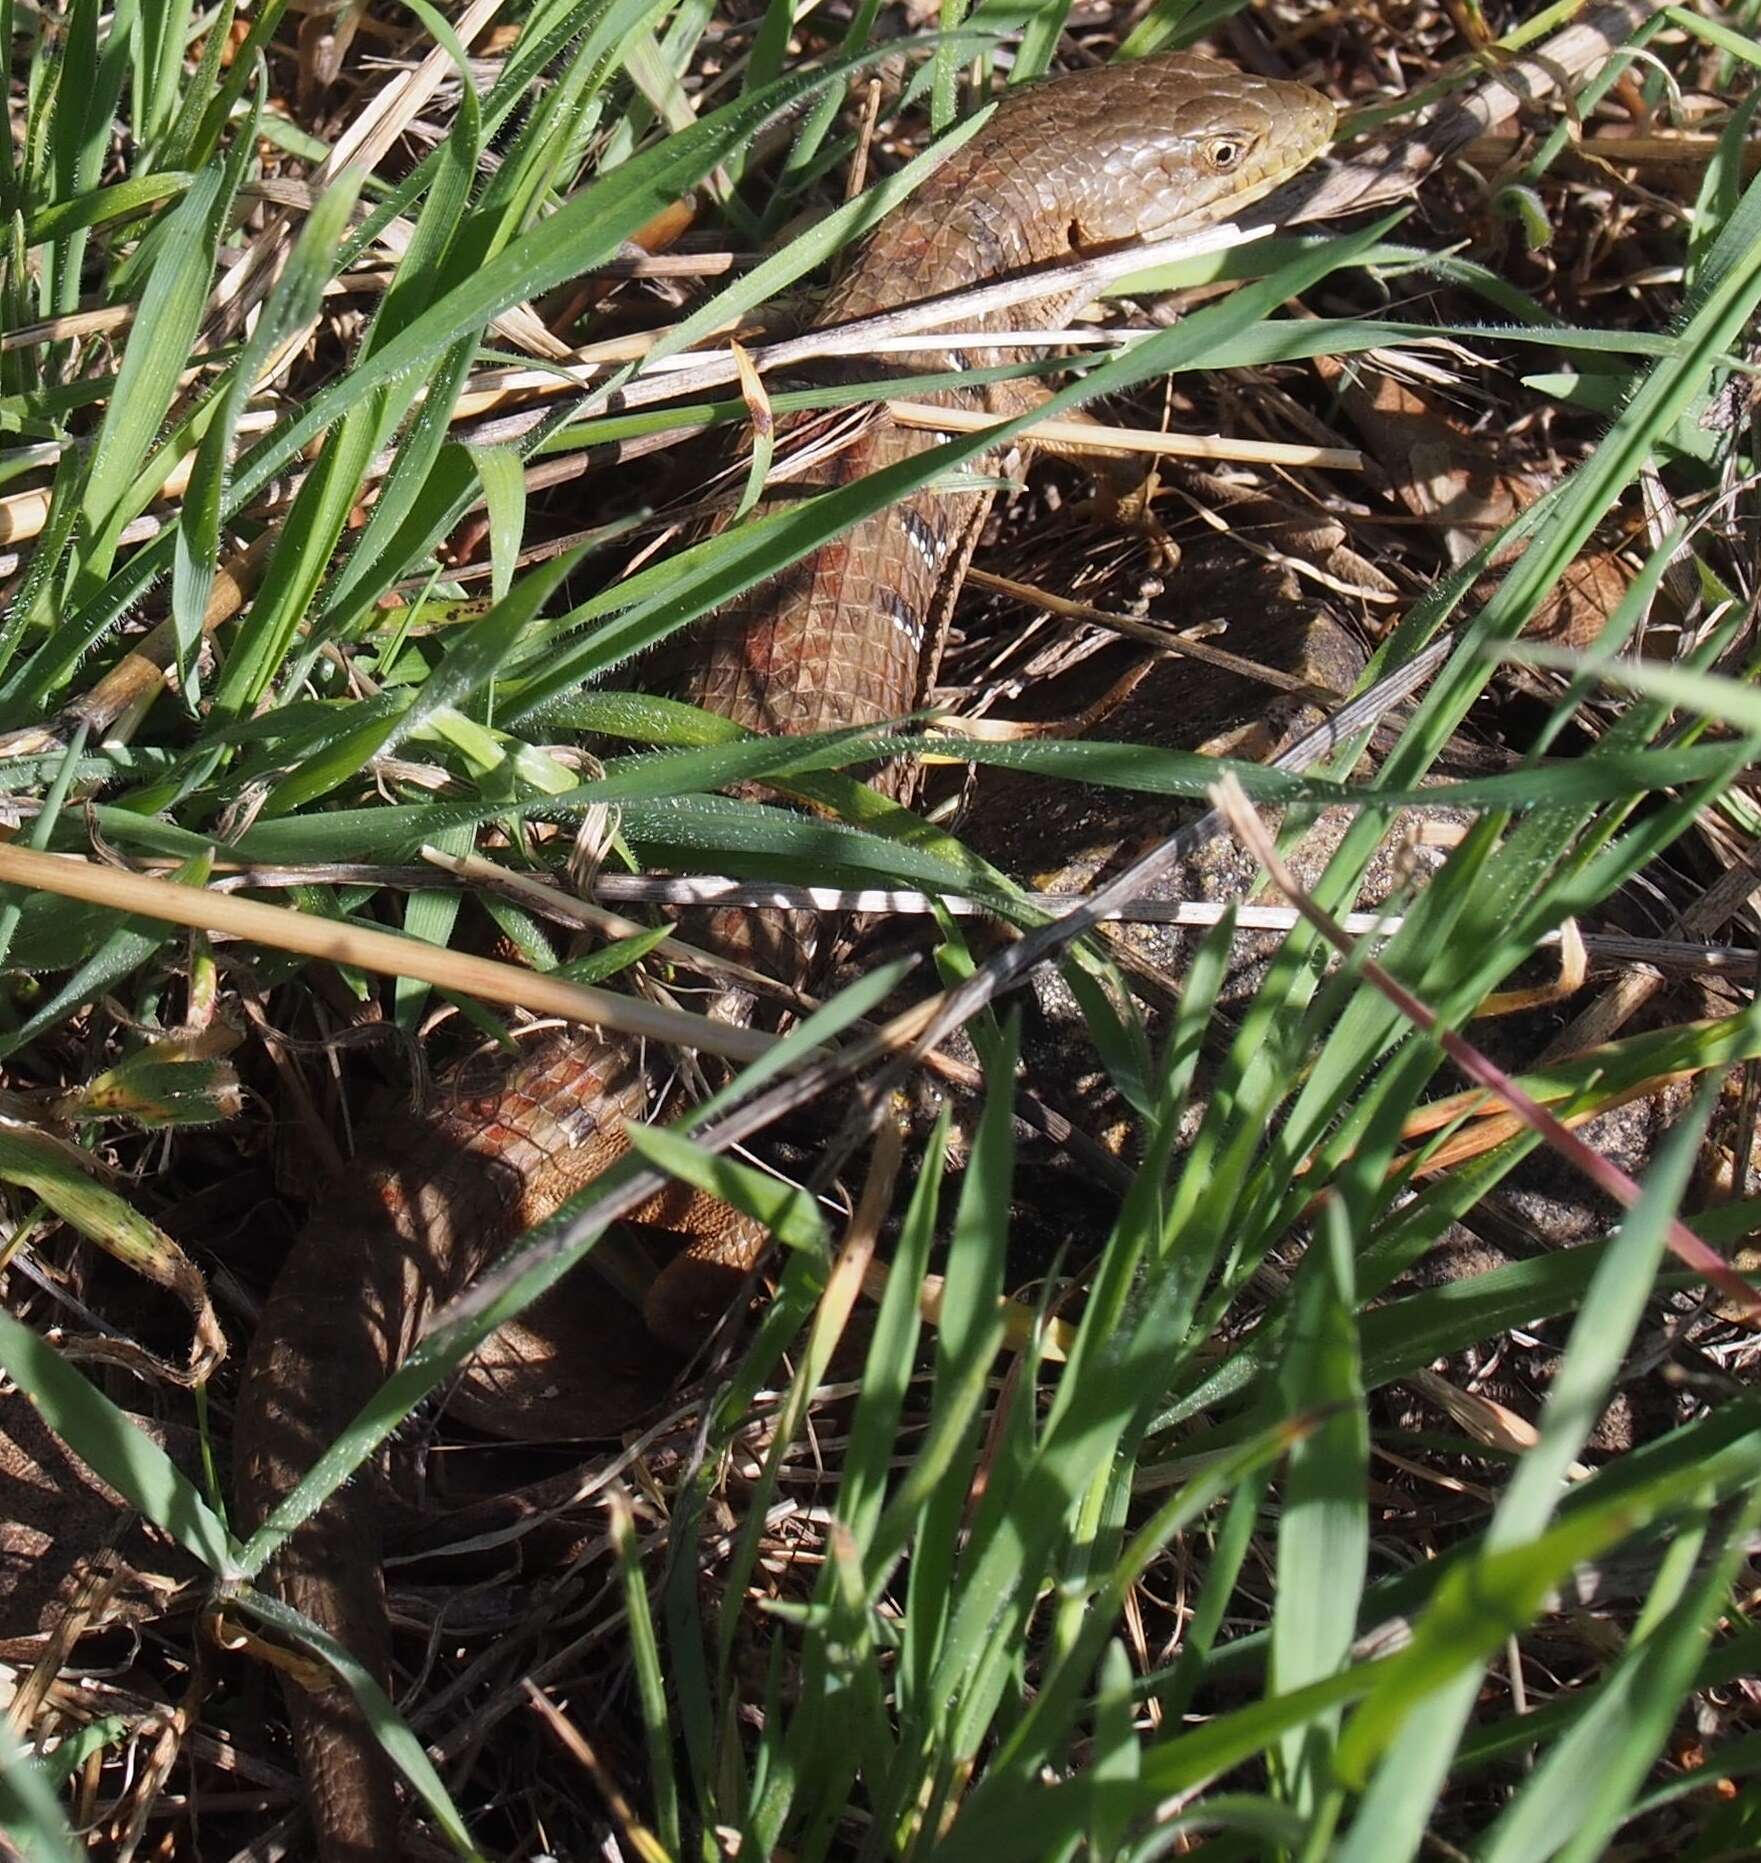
{"x":1148,"y":149}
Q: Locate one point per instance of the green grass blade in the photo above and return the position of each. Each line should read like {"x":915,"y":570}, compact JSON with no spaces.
{"x":1411,"y":1723}
{"x":158,"y":349}
{"x":30,"y":1817}
{"x":1575,"y":1800}
{"x":112,"y":1446}
{"x":384,"y":1723}
{"x":1323,"y":1525}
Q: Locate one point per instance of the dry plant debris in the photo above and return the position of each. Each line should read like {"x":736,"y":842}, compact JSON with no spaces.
{"x":1259,"y":1356}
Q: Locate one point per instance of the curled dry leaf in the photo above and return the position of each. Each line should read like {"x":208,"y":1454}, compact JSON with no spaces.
{"x":58,"y":1174}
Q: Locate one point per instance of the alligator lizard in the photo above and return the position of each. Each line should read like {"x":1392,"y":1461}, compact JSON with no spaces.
{"x":848,"y":637}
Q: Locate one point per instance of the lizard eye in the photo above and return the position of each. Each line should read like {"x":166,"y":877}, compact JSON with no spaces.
{"x":1223,"y":153}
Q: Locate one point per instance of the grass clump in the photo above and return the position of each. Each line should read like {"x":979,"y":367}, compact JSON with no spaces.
{"x":1270,"y":1405}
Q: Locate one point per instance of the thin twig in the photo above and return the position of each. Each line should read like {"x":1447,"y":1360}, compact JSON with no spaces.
{"x":1097,"y":437}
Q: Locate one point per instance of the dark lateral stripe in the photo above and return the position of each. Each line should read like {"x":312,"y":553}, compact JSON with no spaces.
{"x":926,"y":537}
{"x":902,"y":615}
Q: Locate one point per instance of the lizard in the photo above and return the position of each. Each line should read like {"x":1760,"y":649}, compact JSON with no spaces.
{"x":848,"y":637}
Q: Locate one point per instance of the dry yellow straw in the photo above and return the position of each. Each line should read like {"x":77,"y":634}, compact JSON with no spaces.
{"x":384,"y":952}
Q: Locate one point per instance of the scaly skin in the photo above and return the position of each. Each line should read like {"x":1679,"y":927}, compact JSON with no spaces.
{"x":848,"y":637}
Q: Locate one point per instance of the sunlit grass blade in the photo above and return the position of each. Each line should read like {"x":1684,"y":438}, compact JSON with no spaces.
{"x":1323,"y":1523}
{"x":1576,"y":1798}
{"x":1407,"y":1729}
{"x":152,"y":364}
{"x":122,"y":1454}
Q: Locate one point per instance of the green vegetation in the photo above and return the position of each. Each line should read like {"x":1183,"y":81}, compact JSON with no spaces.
{"x":958,"y":1666}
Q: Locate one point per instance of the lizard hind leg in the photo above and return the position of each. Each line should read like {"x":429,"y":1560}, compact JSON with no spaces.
{"x":603,"y":1347}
